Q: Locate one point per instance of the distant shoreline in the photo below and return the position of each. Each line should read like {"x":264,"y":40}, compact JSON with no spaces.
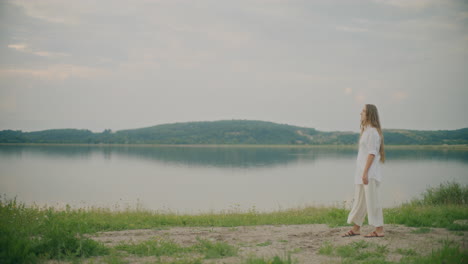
{"x":451,"y":147}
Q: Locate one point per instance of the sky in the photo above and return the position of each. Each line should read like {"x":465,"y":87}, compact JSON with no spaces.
{"x":114,"y":64}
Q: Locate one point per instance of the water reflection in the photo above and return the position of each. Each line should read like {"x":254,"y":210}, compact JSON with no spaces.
{"x":242,"y":157}
{"x":427,"y":154}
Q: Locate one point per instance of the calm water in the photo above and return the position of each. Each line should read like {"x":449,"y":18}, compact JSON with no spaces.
{"x":193,"y":180}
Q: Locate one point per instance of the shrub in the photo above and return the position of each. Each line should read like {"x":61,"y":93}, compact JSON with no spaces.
{"x":444,"y":194}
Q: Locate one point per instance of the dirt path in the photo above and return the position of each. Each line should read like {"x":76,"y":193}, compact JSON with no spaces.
{"x":303,"y":241}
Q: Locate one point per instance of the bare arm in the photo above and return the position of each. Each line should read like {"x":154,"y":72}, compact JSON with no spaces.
{"x":370,"y":159}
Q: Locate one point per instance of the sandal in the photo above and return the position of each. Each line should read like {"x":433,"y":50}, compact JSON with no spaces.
{"x":350,"y":233}
{"x":374,"y":234}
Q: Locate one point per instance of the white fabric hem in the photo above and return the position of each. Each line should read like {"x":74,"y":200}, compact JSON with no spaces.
{"x":366,"y":202}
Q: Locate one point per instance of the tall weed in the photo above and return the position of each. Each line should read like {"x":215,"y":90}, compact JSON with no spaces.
{"x":28,"y":234}
{"x":444,"y":194}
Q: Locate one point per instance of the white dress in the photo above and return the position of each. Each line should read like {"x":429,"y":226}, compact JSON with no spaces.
{"x":369,"y":143}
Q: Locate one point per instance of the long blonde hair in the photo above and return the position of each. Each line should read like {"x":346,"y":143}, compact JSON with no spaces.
{"x":372,"y":119}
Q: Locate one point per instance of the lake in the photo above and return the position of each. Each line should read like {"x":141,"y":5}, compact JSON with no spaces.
{"x":206,"y":179}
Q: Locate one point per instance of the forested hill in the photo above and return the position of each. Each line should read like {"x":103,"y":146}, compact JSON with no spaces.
{"x":230,"y":132}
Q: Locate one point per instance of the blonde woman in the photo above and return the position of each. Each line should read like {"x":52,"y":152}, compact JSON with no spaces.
{"x":368,"y":175}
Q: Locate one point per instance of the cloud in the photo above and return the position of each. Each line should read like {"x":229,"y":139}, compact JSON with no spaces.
{"x":57,"y":72}
{"x":399,"y":95}
{"x":433,"y":25}
{"x":462,"y":15}
{"x":54,"y":11}
{"x":348,"y":90}
{"x":8,"y":103}
{"x":220,"y":33}
{"x":24,"y":48}
{"x":18,"y":47}
{"x":351,"y":29}
{"x":297,"y":76}
{"x":409,"y":4}
{"x":360,"y":98}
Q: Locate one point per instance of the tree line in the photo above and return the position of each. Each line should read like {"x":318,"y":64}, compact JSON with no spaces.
{"x":230,"y":132}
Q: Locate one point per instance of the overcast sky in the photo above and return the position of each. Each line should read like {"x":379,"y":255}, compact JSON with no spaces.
{"x":131,"y":64}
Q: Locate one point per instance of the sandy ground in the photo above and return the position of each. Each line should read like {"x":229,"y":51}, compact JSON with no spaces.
{"x":302,"y":241}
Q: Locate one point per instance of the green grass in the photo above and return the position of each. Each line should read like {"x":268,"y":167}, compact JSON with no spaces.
{"x":153,"y":248}
{"x":406,"y":251}
{"x":438,"y":207}
{"x":450,"y":253}
{"x":120,"y":260}
{"x":112,"y":259}
{"x":362,"y":252}
{"x":326,"y":249}
{"x":264,"y":244}
{"x":103,"y":219}
{"x":183,"y":261}
{"x":163,"y":247}
{"x":446,"y":193}
{"x":214,"y":249}
{"x":355,"y":252}
{"x":427,"y":216}
{"x":421,"y":230}
{"x":29,"y":234}
{"x":274,"y":260}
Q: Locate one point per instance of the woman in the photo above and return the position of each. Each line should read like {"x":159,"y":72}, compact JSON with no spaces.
{"x":368,"y":175}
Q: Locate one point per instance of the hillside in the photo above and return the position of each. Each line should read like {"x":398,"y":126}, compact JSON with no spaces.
{"x":230,"y":132}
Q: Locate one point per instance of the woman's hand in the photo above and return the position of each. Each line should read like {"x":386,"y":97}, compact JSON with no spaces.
{"x":370,"y":159}
{"x":365,"y":178}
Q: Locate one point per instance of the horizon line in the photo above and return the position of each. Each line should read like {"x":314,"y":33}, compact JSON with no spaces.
{"x":219,"y":120}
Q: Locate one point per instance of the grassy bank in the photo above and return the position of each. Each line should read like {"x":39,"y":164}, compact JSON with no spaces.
{"x":29,"y":234}
{"x":363,"y":252}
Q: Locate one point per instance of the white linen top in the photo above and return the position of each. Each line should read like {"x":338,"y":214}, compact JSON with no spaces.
{"x":369,"y":143}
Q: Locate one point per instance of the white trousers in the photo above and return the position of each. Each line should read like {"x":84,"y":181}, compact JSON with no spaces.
{"x":366,"y":200}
